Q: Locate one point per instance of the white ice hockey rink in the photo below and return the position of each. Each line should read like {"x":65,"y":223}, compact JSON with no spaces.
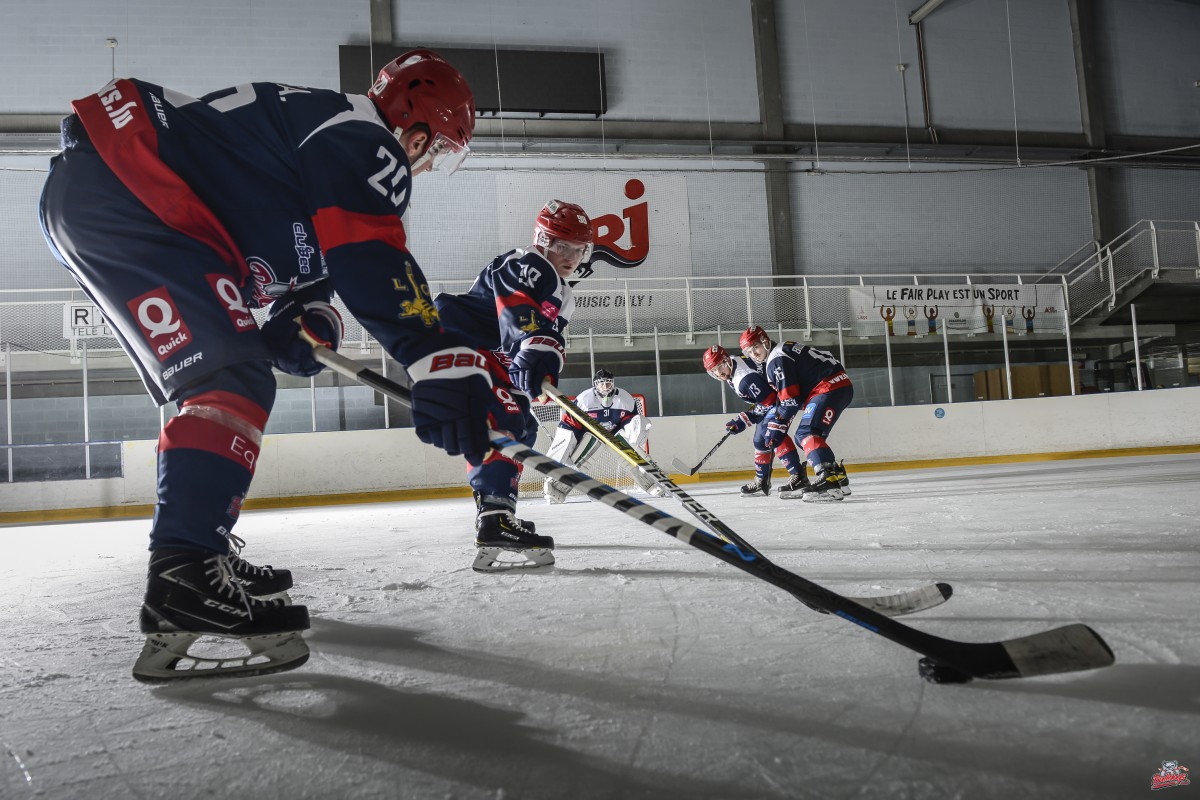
{"x":637,"y":667}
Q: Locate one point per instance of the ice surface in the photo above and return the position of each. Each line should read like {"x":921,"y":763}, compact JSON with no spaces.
{"x":637,"y":667}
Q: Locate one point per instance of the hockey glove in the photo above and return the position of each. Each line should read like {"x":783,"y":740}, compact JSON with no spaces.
{"x":776,"y":433}
{"x":737,"y":424}
{"x":539,"y":359}
{"x":457,"y":394}
{"x":282,"y":332}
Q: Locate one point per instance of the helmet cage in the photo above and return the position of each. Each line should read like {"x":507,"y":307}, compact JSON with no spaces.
{"x":604,"y":383}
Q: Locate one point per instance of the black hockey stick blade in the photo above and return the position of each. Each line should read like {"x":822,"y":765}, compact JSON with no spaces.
{"x":689,"y":471}
{"x":1067,"y":649}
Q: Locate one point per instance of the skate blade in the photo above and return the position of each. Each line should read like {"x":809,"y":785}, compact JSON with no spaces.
{"x":796,"y":495}
{"x":503,"y":559}
{"x":165,"y":657}
{"x":831,"y":496}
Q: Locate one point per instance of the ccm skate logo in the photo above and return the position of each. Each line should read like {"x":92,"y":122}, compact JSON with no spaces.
{"x":240,"y":612}
{"x":161,"y":322}
{"x":449,"y":360}
{"x":118,"y":115}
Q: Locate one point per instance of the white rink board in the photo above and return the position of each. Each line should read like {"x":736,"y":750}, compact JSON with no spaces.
{"x":308,"y":464}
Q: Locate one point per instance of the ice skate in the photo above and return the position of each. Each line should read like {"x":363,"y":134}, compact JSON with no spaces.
{"x":826,"y":486}
{"x":844,"y":478}
{"x":527,"y":524}
{"x":505,"y":544}
{"x":760,"y":484}
{"x":193,"y":593}
{"x":795,"y":488}
{"x":265,"y":582}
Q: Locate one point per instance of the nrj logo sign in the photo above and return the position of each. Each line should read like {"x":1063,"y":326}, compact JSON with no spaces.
{"x":1169,"y":774}
{"x":610,"y":229}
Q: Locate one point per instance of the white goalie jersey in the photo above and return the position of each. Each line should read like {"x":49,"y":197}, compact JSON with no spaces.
{"x":616,"y":413}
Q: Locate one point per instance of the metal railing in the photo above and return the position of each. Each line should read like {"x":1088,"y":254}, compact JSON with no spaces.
{"x":1143,"y":250}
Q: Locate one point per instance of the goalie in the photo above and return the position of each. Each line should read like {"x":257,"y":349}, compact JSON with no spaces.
{"x":616,"y":411}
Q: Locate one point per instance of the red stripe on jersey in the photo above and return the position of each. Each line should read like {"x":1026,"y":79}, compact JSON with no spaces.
{"x":235,"y":404}
{"x":831,"y":383}
{"x":515,"y":300}
{"x":810,"y":443}
{"x":789,"y":393}
{"x":200,"y":433}
{"x":337,"y":226}
{"x":123,"y":133}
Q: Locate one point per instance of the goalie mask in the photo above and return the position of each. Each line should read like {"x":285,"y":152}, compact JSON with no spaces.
{"x":605,"y":385}
{"x":564,"y":233}
{"x":420,"y":88}
{"x":755,"y":344}
{"x":717,"y":363}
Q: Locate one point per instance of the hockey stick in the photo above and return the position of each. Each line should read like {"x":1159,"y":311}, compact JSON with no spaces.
{"x":647,"y":467}
{"x":682,"y":467}
{"x":1069,"y":648}
{"x":905,"y":603}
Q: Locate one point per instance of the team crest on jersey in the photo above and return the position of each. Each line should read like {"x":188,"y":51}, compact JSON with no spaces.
{"x":1170,"y":774}
{"x":421,"y":305}
{"x":267,"y":286}
{"x":528,"y":323}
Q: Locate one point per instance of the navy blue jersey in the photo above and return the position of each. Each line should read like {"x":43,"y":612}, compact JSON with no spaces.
{"x":517,"y":296}
{"x":751,"y":385}
{"x":298,"y":188}
{"x":797,"y":372}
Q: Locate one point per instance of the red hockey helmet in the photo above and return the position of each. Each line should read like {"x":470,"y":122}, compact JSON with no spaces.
{"x":753,"y":337}
{"x":717,"y":363}
{"x":421,"y":88}
{"x":564,"y":222}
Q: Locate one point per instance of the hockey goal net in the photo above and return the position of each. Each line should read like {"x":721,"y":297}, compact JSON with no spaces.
{"x":604,"y":465}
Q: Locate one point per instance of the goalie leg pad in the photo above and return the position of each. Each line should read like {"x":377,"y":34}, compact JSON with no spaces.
{"x":647,"y":484}
{"x":555,"y":492}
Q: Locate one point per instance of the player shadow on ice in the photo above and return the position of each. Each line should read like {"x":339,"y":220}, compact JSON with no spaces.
{"x":459,"y":740}
{"x":1162,"y":687}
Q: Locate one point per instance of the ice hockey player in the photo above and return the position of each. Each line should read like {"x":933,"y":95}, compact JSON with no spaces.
{"x":813,"y":384}
{"x":616,"y":411}
{"x":519,"y":307}
{"x":177,"y":215}
{"x":751,"y":386}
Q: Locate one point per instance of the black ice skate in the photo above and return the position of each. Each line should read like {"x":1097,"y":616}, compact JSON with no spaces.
{"x":795,"y":488}
{"x":527,"y":524}
{"x":193,"y":593}
{"x":264,"y":582}
{"x":504,"y":543}
{"x":758,"y":486}
{"x":826,"y":486}
{"x":844,"y":479}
